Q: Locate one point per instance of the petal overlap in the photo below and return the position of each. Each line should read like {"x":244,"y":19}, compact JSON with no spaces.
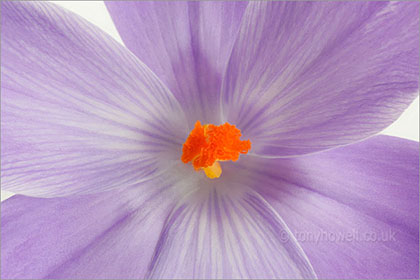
{"x":80,"y":113}
{"x":305,"y":77}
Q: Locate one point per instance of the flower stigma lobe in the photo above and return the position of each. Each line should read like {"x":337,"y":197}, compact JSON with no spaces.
{"x":208,"y":144}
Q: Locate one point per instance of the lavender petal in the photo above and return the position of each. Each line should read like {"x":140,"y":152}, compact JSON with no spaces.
{"x":310,"y":76}
{"x":354,"y":210}
{"x":216,"y":233}
{"x":186,"y":43}
{"x":80,"y":113}
{"x":111,"y":235}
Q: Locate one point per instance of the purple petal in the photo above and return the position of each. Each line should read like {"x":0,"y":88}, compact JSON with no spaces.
{"x":110,"y":235}
{"x":80,"y":113}
{"x":354,"y":210}
{"x":187,"y":44}
{"x":219,"y":234}
{"x":305,"y":77}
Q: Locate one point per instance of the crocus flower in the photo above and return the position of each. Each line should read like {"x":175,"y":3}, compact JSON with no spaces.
{"x":93,"y":135}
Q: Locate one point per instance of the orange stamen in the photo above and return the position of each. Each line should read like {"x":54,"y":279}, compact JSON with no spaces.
{"x":210,"y":143}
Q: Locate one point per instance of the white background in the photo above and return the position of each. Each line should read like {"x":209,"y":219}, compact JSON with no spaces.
{"x":407,"y":126}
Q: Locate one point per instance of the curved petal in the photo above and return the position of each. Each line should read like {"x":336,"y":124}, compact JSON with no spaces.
{"x":79,"y":112}
{"x":354,"y":210}
{"x":186,"y":43}
{"x":305,"y":77}
{"x":217,"y":233}
{"x":111,"y":235}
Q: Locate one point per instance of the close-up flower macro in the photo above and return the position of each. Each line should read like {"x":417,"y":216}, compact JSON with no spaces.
{"x":216,"y":140}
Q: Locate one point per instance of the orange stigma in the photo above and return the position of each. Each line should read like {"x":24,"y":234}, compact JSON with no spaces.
{"x":208,"y":144}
